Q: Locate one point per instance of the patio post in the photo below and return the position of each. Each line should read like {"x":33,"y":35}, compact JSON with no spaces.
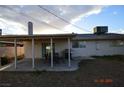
{"x":51,"y":44}
{"x":69,"y":52}
{"x":15,"y":46}
{"x":33,"y":53}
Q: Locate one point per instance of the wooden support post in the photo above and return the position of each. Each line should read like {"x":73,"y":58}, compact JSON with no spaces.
{"x":51,"y":44}
{"x":33,"y":58}
{"x":69,"y":53}
{"x":15,"y":46}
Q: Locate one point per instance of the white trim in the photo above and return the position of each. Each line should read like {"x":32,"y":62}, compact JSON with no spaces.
{"x":51,"y":44}
{"x":15,"y":46}
{"x":33,"y":58}
{"x":69,"y":52}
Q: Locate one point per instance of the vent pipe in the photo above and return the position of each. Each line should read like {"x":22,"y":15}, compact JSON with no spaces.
{"x":30,"y":28}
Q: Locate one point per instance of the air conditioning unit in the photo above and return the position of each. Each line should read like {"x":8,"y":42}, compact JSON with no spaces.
{"x":100,"y":30}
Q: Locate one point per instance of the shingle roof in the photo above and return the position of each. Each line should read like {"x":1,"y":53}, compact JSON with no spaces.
{"x":107,"y":36}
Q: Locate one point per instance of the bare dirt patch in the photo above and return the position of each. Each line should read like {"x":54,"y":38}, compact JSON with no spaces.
{"x":110,"y":72}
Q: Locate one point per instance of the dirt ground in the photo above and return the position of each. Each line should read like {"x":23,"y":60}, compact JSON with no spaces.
{"x":100,"y":72}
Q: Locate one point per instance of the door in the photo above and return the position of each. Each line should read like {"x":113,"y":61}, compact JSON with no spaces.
{"x":46,"y":49}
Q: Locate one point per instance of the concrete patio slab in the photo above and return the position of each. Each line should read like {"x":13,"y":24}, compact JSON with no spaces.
{"x":41,"y":65}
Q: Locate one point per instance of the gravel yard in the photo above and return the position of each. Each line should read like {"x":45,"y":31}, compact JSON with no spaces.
{"x":99,"y":72}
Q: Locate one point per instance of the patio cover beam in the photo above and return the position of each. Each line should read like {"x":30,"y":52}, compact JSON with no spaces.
{"x":69,"y":53}
{"x":33,"y":58}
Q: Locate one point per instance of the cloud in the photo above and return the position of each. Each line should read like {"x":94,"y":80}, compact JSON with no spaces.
{"x":121,"y":31}
{"x":13,"y":19}
{"x":10,"y":27}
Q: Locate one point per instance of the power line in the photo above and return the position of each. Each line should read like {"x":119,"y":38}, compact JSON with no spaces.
{"x":62,"y":18}
{"x":27,"y":16}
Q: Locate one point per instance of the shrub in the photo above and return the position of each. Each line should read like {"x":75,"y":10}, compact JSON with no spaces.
{"x":4,"y":61}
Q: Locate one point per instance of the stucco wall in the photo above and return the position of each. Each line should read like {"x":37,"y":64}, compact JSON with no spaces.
{"x":28,"y":49}
{"x":60,"y":45}
{"x":99,"y":48}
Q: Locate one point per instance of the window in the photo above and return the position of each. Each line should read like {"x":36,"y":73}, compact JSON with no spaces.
{"x":75,"y":44}
{"x":82,"y":44}
{"x":118,"y":43}
{"x":79,"y":44}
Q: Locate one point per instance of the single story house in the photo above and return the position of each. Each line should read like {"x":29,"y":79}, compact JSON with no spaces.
{"x":37,"y":46}
{"x":72,"y":45}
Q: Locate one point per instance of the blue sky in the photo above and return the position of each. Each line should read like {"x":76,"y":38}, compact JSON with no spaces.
{"x":14,"y":19}
{"x":111,"y":16}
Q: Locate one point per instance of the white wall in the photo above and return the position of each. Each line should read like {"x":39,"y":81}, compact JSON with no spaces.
{"x":28,"y":49}
{"x":106,"y":48}
{"x":60,"y":45}
{"x":99,"y":48}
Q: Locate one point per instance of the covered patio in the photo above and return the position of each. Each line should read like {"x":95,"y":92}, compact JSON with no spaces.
{"x":35,"y":63}
{"x":26,"y":65}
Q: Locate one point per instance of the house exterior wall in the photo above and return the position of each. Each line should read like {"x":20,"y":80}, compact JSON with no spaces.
{"x":60,"y":45}
{"x":98,"y":48}
{"x":87,"y":51}
{"x":28,"y":49}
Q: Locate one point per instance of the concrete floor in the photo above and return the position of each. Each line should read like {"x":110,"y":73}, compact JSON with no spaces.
{"x":42,"y":65}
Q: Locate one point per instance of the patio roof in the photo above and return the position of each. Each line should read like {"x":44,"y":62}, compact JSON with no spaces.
{"x":51,"y":37}
{"x":36,"y":36}
{"x":9,"y":44}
